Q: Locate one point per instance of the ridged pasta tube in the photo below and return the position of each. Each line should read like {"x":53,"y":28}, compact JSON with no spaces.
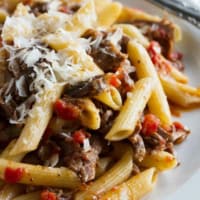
{"x":134,"y":188}
{"x":158,"y":104}
{"x":125,"y":123}
{"x":116,"y":175}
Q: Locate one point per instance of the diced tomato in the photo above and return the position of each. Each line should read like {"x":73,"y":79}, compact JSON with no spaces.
{"x":120,"y":73}
{"x":160,"y":63}
{"x":150,"y":124}
{"x":13,"y":175}
{"x":79,"y":136}
{"x":154,"y":48}
{"x":178,"y":125}
{"x":114,"y":81}
{"x":47,"y":195}
{"x":66,"y":111}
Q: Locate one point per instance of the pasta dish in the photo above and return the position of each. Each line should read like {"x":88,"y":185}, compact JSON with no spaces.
{"x":85,"y":94}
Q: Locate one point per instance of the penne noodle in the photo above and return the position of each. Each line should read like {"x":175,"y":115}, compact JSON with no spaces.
{"x":133,"y":33}
{"x":161,"y":160}
{"x":158,"y":104}
{"x":6,"y":153}
{"x":131,"y":14}
{"x":41,"y":175}
{"x":29,"y":196}
{"x":111,"y":97}
{"x":131,"y":111}
{"x":3,"y":15}
{"x":134,"y":188}
{"x":177,"y":75}
{"x":180,"y":94}
{"x":37,"y":122}
{"x":84,"y":19}
{"x":9,"y":191}
{"x":109,"y":14}
{"x":173,"y":72}
{"x":90,"y":117}
{"x":100,"y":5}
{"x":116,"y":175}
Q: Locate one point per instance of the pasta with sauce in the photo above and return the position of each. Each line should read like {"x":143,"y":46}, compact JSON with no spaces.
{"x":84,"y":90}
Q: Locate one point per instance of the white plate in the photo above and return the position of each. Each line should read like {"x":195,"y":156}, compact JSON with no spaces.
{"x":188,"y":152}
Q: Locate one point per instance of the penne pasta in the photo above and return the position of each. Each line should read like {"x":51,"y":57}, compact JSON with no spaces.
{"x":40,"y":175}
{"x":37,"y":122}
{"x":111,"y":97}
{"x":161,"y":160}
{"x":90,"y":117}
{"x":116,"y":175}
{"x":29,"y":196}
{"x":77,"y":78}
{"x":84,"y":19}
{"x":180,"y":94}
{"x":131,"y":189}
{"x":100,"y":5}
{"x":133,"y":33}
{"x":130,"y":113}
{"x":6,"y":153}
{"x":3,"y":15}
{"x":109,"y":14}
{"x":158,"y":104}
{"x":131,"y":14}
{"x":9,"y":191}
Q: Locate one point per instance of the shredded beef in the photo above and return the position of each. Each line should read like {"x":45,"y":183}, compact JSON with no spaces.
{"x":107,"y":117}
{"x":8,"y":133}
{"x":161,"y":32}
{"x":18,"y":93}
{"x":87,"y":88}
{"x":107,"y":56}
{"x":61,"y":194}
{"x":178,"y":136}
{"x":138,"y":144}
{"x":39,"y":7}
{"x":74,"y":156}
{"x":124,"y":44}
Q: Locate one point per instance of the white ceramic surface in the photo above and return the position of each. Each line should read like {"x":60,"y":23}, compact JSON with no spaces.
{"x":177,"y":184}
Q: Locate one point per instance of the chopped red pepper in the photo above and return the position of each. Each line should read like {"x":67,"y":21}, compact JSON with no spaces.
{"x":150,"y":124}
{"x":79,"y":136}
{"x":13,"y":175}
{"x":66,"y":111}
{"x":178,"y":125}
{"x":154,"y":48}
{"x":120,"y":73}
{"x":47,"y":195}
{"x":114,"y":81}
